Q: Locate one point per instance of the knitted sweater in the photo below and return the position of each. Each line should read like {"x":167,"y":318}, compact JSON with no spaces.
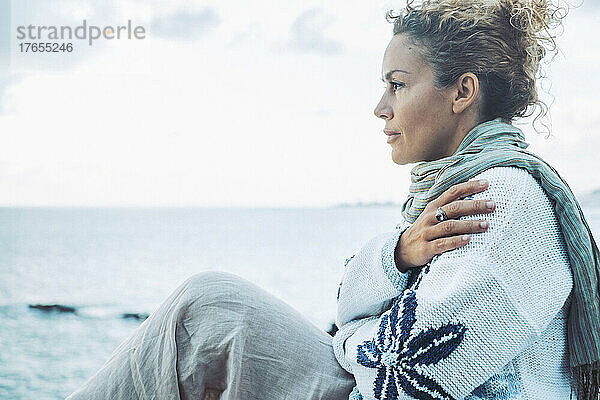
{"x":484,"y":321}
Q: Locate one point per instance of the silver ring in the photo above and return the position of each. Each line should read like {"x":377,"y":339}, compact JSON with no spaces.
{"x":441,"y":215}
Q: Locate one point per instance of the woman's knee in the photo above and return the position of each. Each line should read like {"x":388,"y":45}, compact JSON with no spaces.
{"x":214,"y":288}
{"x":201,"y":279}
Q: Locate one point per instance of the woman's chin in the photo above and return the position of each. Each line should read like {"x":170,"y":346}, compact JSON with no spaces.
{"x":399,"y":159}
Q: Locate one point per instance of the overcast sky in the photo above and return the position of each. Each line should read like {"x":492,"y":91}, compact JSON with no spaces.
{"x":229,"y":104}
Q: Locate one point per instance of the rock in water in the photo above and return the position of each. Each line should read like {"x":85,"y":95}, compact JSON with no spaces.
{"x":53,"y":307}
{"x":138,"y":316}
{"x":333,"y":329}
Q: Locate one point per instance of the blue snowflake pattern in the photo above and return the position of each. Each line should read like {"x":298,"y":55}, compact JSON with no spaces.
{"x":399,"y":355}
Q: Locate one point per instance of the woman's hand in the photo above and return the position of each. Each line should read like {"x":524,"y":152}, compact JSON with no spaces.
{"x":427,"y":237}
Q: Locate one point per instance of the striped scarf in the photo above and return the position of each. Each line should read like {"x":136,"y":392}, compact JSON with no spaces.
{"x":495,"y":144}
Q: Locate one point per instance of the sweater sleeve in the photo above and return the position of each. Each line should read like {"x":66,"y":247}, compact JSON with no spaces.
{"x":472,"y":310}
{"x":369,"y":284}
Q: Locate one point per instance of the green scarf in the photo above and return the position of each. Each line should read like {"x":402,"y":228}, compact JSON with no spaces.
{"x":494,"y":144}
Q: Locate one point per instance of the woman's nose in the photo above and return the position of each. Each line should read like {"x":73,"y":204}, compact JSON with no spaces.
{"x":383,"y":110}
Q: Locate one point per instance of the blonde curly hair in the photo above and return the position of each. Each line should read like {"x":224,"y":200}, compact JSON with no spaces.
{"x":500,"y":41}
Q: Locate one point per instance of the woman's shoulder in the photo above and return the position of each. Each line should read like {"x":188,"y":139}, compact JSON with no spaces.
{"x":510,"y":178}
{"x":515,"y":188}
{"x":524,"y":213}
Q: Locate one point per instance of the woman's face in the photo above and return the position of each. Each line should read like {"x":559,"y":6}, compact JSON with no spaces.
{"x":418,"y":117}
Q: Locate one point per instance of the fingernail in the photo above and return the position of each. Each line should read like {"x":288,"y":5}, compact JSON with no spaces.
{"x":483,"y":224}
{"x":490,"y":204}
{"x":465,"y":238}
{"x":482,"y":182}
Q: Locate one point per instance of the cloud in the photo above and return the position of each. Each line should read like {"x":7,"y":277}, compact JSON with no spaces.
{"x":185,"y":25}
{"x":307,"y":34}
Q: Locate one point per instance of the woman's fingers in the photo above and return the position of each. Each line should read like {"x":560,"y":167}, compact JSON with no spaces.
{"x":443,"y":245}
{"x":427,"y":237}
{"x":459,"y":191}
{"x":460,"y":208}
{"x":455,"y":227}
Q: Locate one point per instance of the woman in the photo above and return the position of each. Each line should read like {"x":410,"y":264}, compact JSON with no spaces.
{"x":423,"y":313}
{"x":513,"y":312}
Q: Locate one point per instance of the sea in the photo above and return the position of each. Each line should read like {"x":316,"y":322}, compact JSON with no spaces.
{"x":105,"y":263}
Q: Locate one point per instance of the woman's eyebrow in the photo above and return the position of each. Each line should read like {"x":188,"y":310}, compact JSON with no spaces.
{"x":388,"y":76}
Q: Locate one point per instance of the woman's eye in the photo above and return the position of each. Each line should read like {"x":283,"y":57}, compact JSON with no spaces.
{"x":397,"y":85}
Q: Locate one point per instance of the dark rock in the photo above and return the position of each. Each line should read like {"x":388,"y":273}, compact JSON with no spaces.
{"x":138,"y":316}
{"x":333,"y":329}
{"x":53,"y":307}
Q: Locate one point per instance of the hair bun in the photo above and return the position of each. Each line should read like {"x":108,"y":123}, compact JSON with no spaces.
{"x":536,"y":21}
{"x":535,"y":18}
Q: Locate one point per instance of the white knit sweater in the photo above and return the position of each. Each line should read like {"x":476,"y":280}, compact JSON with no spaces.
{"x":484,"y":321}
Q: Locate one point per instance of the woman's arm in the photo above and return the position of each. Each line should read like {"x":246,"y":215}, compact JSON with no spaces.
{"x":369,"y":284}
{"x":372,"y":278}
{"x":365,"y":289}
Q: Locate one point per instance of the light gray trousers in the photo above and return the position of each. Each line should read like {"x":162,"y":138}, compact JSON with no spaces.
{"x":220,"y":333}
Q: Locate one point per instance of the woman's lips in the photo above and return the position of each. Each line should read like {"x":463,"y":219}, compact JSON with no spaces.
{"x":391,"y":135}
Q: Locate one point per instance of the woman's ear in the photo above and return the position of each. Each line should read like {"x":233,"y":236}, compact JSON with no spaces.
{"x":466,"y":94}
